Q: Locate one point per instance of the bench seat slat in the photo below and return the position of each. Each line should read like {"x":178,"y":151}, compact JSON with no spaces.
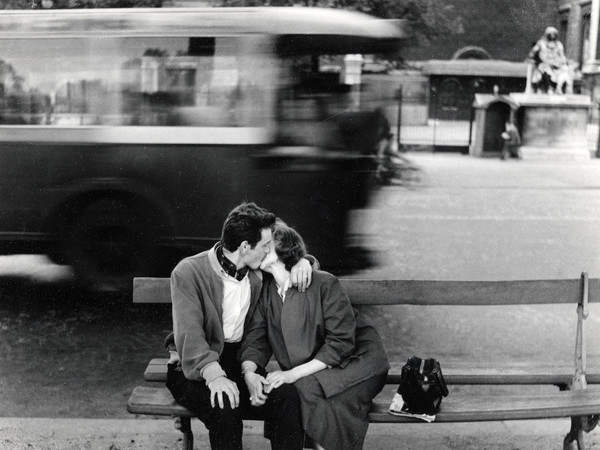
{"x":155,"y":401}
{"x":455,"y":408}
{"x":454,"y":373}
{"x":471,"y":408}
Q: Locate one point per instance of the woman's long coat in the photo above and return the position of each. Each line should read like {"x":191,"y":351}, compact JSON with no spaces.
{"x":319,"y":323}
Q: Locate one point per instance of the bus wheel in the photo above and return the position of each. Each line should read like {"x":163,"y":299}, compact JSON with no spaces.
{"x":110,"y":242}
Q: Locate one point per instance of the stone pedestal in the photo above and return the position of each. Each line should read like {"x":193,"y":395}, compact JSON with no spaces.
{"x":553,"y":126}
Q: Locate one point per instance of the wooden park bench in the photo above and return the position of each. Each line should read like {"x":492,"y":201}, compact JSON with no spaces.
{"x":572,"y":399}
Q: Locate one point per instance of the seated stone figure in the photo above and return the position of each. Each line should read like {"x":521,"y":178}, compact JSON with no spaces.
{"x":551,"y":71}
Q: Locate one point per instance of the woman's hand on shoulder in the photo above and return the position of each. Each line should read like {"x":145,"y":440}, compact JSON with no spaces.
{"x":301,"y":275}
{"x":279,"y":377}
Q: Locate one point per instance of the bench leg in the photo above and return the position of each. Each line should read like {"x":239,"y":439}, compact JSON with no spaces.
{"x":574,"y":435}
{"x":184,"y":424}
{"x":579,"y":424}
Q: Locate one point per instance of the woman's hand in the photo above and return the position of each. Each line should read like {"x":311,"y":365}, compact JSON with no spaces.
{"x":301,"y":275}
{"x":256,"y":383}
{"x":279,"y":377}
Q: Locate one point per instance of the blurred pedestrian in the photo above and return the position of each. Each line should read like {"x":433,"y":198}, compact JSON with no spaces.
{"x":386,"y":169}
{"x":511,"y":141}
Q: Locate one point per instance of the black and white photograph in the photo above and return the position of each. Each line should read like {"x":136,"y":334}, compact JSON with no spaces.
{"x":299,"y":224}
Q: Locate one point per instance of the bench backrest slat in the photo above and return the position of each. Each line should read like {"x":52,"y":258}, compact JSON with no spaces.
{"x":151,"y":290}
{"x":422,"y":292}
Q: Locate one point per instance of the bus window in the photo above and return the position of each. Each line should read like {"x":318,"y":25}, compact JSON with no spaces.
{"x":147,"y":81}
{"x":317,"y":109}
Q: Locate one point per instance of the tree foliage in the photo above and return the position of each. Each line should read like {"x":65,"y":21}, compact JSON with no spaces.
{"x":428,"y":19}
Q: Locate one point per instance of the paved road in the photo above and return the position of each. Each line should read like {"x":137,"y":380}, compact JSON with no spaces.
{"x":476,"y":219}
{"x":98,"y":434}
{"x":468,"y":219}
{"x":486,"y":219}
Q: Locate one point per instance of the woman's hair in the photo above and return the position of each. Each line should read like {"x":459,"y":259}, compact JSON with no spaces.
{"x":289,"y":245}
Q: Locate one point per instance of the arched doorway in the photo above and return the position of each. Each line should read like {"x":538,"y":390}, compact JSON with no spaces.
{"x":498,"y":113}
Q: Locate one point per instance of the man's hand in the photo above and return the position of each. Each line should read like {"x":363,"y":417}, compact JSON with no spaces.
{"x":301,"y":275}
{"x":279,"y":377}
{"x":223,"y":385}
{"x":255,"y":383}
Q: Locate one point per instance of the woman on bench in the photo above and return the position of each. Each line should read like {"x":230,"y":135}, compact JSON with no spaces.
{"x":336,"y":361}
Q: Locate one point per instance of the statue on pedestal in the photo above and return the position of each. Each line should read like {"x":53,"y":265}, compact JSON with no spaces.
{"x":551,"y":72}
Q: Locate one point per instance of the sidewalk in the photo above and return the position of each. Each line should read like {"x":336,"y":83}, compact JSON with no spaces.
{"x":437,"y":132}
{"x":149,"y":434}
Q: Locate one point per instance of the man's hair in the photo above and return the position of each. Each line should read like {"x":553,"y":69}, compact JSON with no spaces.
{"x":289,"y":245}
{"x":245,"y":223}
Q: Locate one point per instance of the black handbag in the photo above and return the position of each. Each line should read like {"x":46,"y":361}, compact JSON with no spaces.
{"x":422,"y":386}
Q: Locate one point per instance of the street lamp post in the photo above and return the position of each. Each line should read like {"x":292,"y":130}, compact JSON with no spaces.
{"x":592,"y":61}
{"x":592,"y":65}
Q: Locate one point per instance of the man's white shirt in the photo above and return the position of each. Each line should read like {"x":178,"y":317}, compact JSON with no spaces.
{"x":236,"y":302}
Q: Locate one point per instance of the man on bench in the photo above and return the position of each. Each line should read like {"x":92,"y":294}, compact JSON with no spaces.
{"x":214,"y":294}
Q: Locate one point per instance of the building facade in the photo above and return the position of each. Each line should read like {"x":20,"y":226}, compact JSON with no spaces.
{"x":454,"y":83}
{"x":578,"y":26}
{"x":506,"y":29}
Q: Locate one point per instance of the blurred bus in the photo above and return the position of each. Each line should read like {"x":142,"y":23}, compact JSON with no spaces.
{"x":127,"y":135}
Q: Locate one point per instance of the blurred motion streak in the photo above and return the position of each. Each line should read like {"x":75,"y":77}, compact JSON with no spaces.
{"x":127,"y":135}
{"x":35,"y":268}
